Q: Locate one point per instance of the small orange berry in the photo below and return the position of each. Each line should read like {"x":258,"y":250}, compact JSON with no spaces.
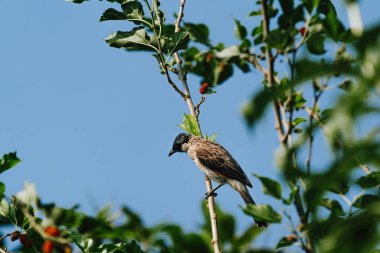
{"x":47,"y":247}
{"x":300,"y":227}
{"x":52,"y":231}
{"x":291,"y":238}
{"x":67,"y":248}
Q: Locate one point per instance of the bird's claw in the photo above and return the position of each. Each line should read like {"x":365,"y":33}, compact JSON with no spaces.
{"x":208,"y":194}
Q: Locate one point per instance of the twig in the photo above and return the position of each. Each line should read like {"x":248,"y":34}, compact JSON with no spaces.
{"x":295,"y":232}
{"x":291,"y":109}
{"x":364,"y":167}
{"x":276,"y":107}
{"x":190,"y":104}
{"x":270,"y":66}
{"x":317,"y":94}
{"x":197,"y":108}
{"x":160,"y":55}
{"x":39,"y":229}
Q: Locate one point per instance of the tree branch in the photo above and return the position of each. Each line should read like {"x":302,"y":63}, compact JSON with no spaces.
{"x":160,"y":55}
{"x":270,"y":66}
{"x":364,"y":167}
{"x":198,"y":107}
{"x":190,"y":104}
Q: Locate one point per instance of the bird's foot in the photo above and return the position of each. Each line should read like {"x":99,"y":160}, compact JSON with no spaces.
{"x":208,"y":194}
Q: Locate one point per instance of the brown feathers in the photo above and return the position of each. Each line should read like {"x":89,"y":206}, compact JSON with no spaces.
{"x":215,"y":157}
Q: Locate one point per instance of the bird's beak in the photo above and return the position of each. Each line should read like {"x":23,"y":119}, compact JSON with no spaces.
{"x":171,"y":152}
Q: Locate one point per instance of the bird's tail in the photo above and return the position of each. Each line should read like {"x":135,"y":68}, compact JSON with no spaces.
{"x":249,"y":200}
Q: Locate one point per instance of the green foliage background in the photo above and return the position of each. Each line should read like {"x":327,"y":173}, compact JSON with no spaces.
{"x":333,"y":209}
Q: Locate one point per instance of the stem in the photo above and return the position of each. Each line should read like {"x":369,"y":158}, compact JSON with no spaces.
{"x":270,"y":67}
{"x":161,"y":56}
{"x":190,"y":104}
{"x":279,"y":126}
{"x":317,"y":95}
{"x":364,"y":167}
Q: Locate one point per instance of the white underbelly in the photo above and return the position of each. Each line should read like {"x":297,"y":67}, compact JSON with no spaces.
{"x":210,"y":173}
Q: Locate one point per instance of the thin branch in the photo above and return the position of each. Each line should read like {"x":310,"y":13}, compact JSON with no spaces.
{"x":197,"y":108}
{"x":161,"y":56}
{"x":39,"y":229}
{"x":270,"y":67}
{"x":276,"y":107}
{"x":317,"y":94}
{"x":190,"y":104}
{"x":364,"y":167}
{"x":295,"y":232}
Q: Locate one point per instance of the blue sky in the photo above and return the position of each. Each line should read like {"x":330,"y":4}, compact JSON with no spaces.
{"x":94,"y":125}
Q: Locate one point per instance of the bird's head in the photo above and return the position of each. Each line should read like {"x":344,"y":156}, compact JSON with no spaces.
{"x":179,"y":144}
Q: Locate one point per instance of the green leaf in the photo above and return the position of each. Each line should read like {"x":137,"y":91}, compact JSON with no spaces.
{"x":255,"y":13}
{"x":285,"y":242}
{"x":278,"y":39}
{"x":137,"y":39}
{"x":8,"y":161}
{"x":199,"y":33}
{"x":287,"y":6}
{"x":270,"y":187}
{"x":333,"y":206}
{"x":339,"y":187}
{"x":298,"y":100}
{"x":173,"y":42}
{"x":132,"y":11}
{"x":292,"y":195}
{"x":212,"y":137}
{"x":298,"y":121}
{"x":370,"y":180}
{"x":315,"y":44}
{"x":310,"y":4}
{"x":2,"y":190}
{"x":246,"y":238}
{"x":240,"y":30}
{"x":306,"y":69}
{"x":130,"y":247}
{"x":366,"y":200}
{"x":262,"y":213}
{"x":190,"y":125}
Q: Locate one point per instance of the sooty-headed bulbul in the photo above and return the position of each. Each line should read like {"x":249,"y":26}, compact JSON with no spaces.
{"x":217,"y":163}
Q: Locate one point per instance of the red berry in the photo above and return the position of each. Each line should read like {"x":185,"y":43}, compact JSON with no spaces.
{"x":47,"y":247}
{"x":25,"y":240}
{"x":203,"y":88}
{"x":302,"y":31}
{"x":15,"y":235}
{"x":52,"y":231}
{"x":67,"y":249}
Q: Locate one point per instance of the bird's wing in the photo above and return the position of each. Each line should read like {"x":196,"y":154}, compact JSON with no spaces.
{"x":217,"y":158}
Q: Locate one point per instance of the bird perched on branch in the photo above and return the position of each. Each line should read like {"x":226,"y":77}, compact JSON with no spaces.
{"x":217,"y":163}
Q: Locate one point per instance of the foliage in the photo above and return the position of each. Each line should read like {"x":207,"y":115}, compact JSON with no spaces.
{"x":304,"y":52}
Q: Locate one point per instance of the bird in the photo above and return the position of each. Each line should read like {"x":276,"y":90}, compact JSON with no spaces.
{"x":217,"y":163}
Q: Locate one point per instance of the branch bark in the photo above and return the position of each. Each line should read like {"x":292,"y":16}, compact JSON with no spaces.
{"x":192,"y":109}
{"x":277,"y":111}
{"x":270,"y":67}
